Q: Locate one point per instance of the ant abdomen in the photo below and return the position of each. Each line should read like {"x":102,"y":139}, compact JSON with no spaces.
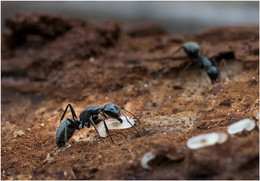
{"x":60,"y":133}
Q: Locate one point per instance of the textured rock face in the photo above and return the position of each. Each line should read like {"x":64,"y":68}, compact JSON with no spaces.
{"x":50,"y":61}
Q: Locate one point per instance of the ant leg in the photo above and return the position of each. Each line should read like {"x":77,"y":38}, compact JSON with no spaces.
{"x":108,"y":131}
{"x":213,"y":60}
{"x":131,"y":114}
{"x":205,"y":77}
{"x":131,"y":123}
{"x":177,"y":50}
{"x":66,"y":138}
{"x":72,"y":111}
{"x":187,"y":66}
{"x":92,"y":122}
{"x":223,"y":62}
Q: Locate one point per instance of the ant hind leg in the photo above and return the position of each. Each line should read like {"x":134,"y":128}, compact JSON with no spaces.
{"x":223,"y":62}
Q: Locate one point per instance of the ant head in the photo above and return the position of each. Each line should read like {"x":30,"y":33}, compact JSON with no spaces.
{"x":112,"y":110}
{"x":213,"y":74}
{"x":192,"y":49}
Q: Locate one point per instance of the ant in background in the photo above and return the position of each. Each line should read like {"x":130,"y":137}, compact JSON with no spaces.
{"x":203,"y":63}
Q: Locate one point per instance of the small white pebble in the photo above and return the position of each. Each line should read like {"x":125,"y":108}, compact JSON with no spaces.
{"x":92,"y":59}
{"x":146,"y":158}
{"x":18,"y":133}
{"x":3,"y":171}
{"x":106,"y":98}
{"x":221,"y":89}
{"x":42,"y":124}
{"x":170,"y":97}
{"x":29,"y":129}
{"x":145,"y":85}
{"x":228,"y":114}
{"x":237,"y":110}
{"x":239,"y":126}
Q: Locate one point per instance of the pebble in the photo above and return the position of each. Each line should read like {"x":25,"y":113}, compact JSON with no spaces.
{"x":18,"y":133}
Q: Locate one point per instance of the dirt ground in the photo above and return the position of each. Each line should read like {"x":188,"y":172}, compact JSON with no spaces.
{"x":49,"y":61}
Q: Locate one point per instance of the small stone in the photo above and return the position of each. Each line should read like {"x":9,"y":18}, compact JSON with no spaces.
{"x":92,"y":59}
{"x":18,"y":133}
{"x":42,"y":124}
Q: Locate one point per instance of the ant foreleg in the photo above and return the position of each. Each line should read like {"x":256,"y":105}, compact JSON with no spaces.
{"x":223,"y":62}
{"x":108,"y":131}
{"x":131,"y":123}
{"x":177,"y":50}
{"x":72,"y":112}
{"x":92,"y":122}
{"x":131,"y":114}
{"x":187,"y":66}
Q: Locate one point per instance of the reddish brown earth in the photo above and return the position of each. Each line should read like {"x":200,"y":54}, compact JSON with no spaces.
{"x":50,"y":61}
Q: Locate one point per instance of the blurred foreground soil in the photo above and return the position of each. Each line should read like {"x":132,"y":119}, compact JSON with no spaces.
{"x":49,"y":61}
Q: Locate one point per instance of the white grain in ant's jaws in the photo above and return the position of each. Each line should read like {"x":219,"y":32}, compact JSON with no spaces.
{"x":208,"y":139}
{"x":114,"y":124}
{"x":245,"y":124}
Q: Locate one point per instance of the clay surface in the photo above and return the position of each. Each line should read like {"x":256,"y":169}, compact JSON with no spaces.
{"x":49,"y":61}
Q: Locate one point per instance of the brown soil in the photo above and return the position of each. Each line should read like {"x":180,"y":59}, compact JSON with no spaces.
{"x":50,"y":61}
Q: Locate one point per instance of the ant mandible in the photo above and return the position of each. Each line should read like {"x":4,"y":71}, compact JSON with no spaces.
{"x":87,"y":117}
{"x":209,"y":65}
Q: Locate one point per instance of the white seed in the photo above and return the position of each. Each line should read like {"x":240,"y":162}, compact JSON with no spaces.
{"x":239,"y":126}
{"x":204,"y":140}
{"x":29,"y":129}
{"x":146,"y":158}
{"x":113,"y":123}
{"x":145,"y":85}
{"x":42,"y":124}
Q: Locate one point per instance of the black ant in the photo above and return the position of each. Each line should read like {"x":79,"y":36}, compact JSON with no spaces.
{"x":87,"y":117}
{"x":209,"y":65}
